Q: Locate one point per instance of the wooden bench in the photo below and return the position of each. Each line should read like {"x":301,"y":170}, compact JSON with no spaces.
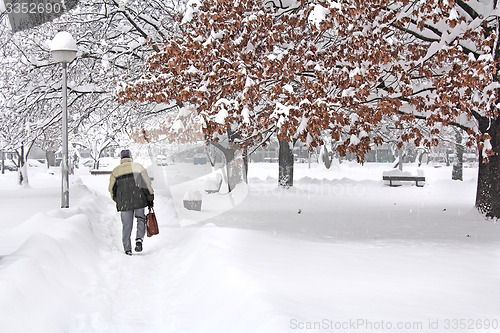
{"x":108,"y":172}
{"x":415,"y":179}
{"x":100,"y":172}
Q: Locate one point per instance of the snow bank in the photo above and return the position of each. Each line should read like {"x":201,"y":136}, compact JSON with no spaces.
{"x":45,"y":278}
{"x":52,"y":266}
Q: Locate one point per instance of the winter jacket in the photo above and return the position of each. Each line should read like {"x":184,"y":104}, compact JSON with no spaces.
{"x":130,"y":186}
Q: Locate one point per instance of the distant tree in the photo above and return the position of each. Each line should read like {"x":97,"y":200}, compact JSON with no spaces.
{"x":458,"y":161}
{"x":112,"y":40}
{"x":100,"y":131}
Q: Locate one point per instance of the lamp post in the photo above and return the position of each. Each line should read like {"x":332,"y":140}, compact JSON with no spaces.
{"x":63,"y":48}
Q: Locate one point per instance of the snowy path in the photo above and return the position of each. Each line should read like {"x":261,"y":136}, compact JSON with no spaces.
{"x":132,"y":290}
{"x":185,"y":280}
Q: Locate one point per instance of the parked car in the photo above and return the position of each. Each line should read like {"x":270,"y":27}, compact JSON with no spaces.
{"x":200,"y":159}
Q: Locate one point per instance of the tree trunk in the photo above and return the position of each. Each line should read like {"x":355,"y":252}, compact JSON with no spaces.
{"x":399,"y":161}
{"x":211,"y":155}
{"x":419,"y":157}
{"x":488,"y":181}
{"x":235,"y":165}
{"x":325,"y":156}
{"x":23,"y":170}
{"x":285,"y":162}
{"x":50,"y":156}
{"x":400,"y":157}
{"x":458,"y":163}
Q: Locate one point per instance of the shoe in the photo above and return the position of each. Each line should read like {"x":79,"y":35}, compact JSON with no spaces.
{"x":138,"y":245}
{"x":129,"y":253}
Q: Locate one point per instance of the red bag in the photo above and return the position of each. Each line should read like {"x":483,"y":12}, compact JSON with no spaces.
{"x":151,"y":223}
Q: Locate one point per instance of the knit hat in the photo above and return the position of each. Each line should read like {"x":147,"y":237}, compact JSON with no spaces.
{"x":125,"y":153}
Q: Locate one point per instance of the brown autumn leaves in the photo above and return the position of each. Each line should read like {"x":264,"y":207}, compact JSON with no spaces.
{"x":405,"y":70}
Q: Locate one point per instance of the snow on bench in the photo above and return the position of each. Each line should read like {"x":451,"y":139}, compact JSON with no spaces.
{"x":396,"y":176}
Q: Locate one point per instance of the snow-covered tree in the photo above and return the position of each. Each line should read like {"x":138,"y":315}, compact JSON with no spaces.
{"x":233,"y":66}
{"x":112,"y":40}
{"x":99,"y":131}
{"x":421,"y":60}
{"x":298,"y":68}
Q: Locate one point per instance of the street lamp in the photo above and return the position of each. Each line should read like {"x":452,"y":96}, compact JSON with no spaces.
{"x":63,"y":48}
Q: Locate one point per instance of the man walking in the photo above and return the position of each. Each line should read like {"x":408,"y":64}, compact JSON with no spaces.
{"x":130,"y":187}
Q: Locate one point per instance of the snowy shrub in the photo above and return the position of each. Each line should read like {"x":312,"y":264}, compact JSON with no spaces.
{"x":192,"y":196}
{"x":192,"y":200}
{"x":212,"y":185}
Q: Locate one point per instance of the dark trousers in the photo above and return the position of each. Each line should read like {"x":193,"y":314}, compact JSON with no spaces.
{"x":128,"y":223}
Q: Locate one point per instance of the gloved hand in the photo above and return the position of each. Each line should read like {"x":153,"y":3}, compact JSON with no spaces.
{"x":150,"y":204}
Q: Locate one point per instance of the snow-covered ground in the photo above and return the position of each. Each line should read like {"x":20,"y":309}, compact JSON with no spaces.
{"x":339,"y":252}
